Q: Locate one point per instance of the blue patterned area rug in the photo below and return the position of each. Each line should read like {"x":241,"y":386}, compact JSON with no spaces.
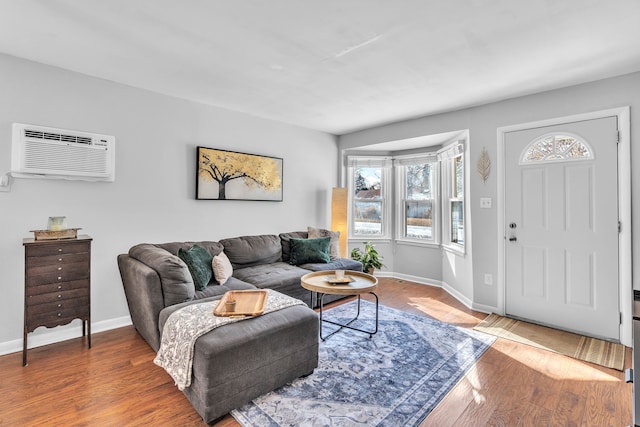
{"x":395,"y":378}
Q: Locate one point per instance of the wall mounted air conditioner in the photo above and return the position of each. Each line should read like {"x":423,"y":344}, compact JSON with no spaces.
{"x":44,"y":152}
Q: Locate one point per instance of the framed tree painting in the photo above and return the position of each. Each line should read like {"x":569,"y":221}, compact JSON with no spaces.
{"x":229,"y":175}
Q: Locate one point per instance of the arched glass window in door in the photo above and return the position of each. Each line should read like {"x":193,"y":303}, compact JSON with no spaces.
{"x":556,"y":147}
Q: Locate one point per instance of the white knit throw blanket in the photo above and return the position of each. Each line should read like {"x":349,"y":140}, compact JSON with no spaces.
{"x":186,"y":325}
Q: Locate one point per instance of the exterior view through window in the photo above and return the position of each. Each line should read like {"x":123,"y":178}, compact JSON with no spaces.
{"x":419,"y":201}
{"x":367,"y":215}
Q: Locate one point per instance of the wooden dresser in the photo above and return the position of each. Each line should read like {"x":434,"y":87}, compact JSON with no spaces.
{"x":57,"y":285}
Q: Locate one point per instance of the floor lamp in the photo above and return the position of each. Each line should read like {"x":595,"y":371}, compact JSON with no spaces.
{"x":339,"y":222}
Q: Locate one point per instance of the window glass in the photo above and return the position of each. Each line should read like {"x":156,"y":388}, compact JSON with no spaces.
{"x":456,"y":208}
{"x":457,"y":222}
{"x":368,"y":203}
{"x":419,"y":201}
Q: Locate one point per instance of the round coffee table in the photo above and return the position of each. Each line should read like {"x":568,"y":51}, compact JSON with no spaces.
{"x":324,"y":283}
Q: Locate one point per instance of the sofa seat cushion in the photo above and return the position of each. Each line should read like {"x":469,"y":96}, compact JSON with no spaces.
{"x":232,"y":284}
{"x":336,"y":264}
{"x":274,"y":276}
{"x":247,"y":251}
{"x":280,"y":276}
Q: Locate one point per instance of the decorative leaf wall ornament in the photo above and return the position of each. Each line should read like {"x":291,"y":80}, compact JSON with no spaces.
{"x":484,"y":165}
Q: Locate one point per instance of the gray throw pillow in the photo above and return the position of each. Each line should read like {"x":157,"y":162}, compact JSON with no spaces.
{"x":334,"y":247}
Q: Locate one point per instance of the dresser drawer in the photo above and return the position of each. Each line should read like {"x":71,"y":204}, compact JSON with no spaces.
{"x":57,"y":248}
{"x":77,"y":306}
{"x":57,"y":318}
{"x":58,"y":297}
{"x":56,"y":260}
{"x":57,"y":273}
{"x":57,"y":287}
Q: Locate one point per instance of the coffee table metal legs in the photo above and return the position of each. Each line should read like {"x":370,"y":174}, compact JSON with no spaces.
{"x":348,"y":324}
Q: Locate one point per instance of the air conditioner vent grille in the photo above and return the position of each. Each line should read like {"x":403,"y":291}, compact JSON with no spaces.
{"x":40,"y":155}
{"x":50,"y":136}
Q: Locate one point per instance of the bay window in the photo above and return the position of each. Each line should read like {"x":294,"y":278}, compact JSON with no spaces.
{"x":428,"y":195}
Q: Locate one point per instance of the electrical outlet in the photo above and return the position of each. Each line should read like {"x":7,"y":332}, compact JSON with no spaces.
{"x":485,"y":202}
{"x":488,"y":279}
{"x":5,"y":183}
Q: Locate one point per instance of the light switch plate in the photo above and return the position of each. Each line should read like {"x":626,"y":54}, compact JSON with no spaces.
{"x":485,"y":202}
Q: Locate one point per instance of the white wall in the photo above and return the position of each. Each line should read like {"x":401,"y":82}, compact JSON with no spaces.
{"x":152,"y":199}
{"x":482,"y":123}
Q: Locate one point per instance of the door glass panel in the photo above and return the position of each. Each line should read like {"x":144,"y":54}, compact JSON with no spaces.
{"x":556,"y":147}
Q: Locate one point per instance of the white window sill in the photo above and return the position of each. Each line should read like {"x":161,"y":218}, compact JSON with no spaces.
{"x":455,"y":249}
{"x":369,"y":239}
{"x":422,"y":244}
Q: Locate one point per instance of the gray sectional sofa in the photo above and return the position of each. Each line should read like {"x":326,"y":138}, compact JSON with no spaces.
{"x":240,"y":361}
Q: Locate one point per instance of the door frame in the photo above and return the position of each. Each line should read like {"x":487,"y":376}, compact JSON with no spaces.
{"x":625,"y":262}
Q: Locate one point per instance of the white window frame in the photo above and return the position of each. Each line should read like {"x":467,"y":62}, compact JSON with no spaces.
{"x":385,"y":163}
{"x":400,"y":165}
{"x":446,"y":158}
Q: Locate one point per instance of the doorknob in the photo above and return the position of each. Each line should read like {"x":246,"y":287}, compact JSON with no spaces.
{"x":513,"y":239}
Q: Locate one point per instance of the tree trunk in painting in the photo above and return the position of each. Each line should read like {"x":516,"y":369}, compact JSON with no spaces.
{"x":222,"y":193}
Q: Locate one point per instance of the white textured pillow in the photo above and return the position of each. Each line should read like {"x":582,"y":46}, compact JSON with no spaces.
{"x":334,"y":247}
{"x":222,"y":268}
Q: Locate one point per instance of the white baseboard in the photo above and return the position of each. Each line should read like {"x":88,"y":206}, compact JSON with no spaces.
{"x":450,"y":290}
{"x":416,"y":279}
{"x":484,"y":308}
{"x":62,"y":333}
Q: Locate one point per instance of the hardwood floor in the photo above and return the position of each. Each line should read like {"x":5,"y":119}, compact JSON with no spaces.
{"x":115,"y":383}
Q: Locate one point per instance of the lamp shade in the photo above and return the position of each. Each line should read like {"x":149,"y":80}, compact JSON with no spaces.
{"x":339,"y":221}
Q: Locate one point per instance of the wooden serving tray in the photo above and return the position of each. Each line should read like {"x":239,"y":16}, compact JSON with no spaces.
{"x":335,"y":281}
{"x":68,"y":233}
{"x":248,"y":303}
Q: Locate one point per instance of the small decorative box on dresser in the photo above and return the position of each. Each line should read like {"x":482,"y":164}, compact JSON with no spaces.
{"x":57,"y":278}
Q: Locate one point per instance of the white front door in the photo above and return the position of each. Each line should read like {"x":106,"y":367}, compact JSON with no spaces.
{"x":561,"y":226}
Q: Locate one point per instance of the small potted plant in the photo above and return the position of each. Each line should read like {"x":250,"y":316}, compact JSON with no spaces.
{"x":370,"y":258}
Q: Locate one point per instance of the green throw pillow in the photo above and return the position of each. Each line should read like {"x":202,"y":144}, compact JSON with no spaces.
{"x":309,"y":250}
{"x":199,"y":262}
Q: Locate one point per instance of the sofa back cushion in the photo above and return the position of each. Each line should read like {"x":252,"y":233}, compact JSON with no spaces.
{"x":247,"y":251}
{"x":285,"y":240}
{"x":175,"y":278}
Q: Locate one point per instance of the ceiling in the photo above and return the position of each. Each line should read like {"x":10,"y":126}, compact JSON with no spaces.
{"x":333,"y":65}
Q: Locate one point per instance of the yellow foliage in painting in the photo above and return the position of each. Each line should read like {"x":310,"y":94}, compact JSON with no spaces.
{"x":224,"y":166}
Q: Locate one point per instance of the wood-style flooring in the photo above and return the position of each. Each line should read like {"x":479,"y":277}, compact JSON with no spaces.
{"x":115,"y":383}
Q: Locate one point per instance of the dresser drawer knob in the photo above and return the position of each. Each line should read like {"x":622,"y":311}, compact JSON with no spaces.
{"x":59,"y":259}
{"x":59,"y":286}
{"x":59,"y":314}
{"x":59,"y":249}
{"x":59,"y":305}
{"x":59,"y":278}
{"x":59,"y":296}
